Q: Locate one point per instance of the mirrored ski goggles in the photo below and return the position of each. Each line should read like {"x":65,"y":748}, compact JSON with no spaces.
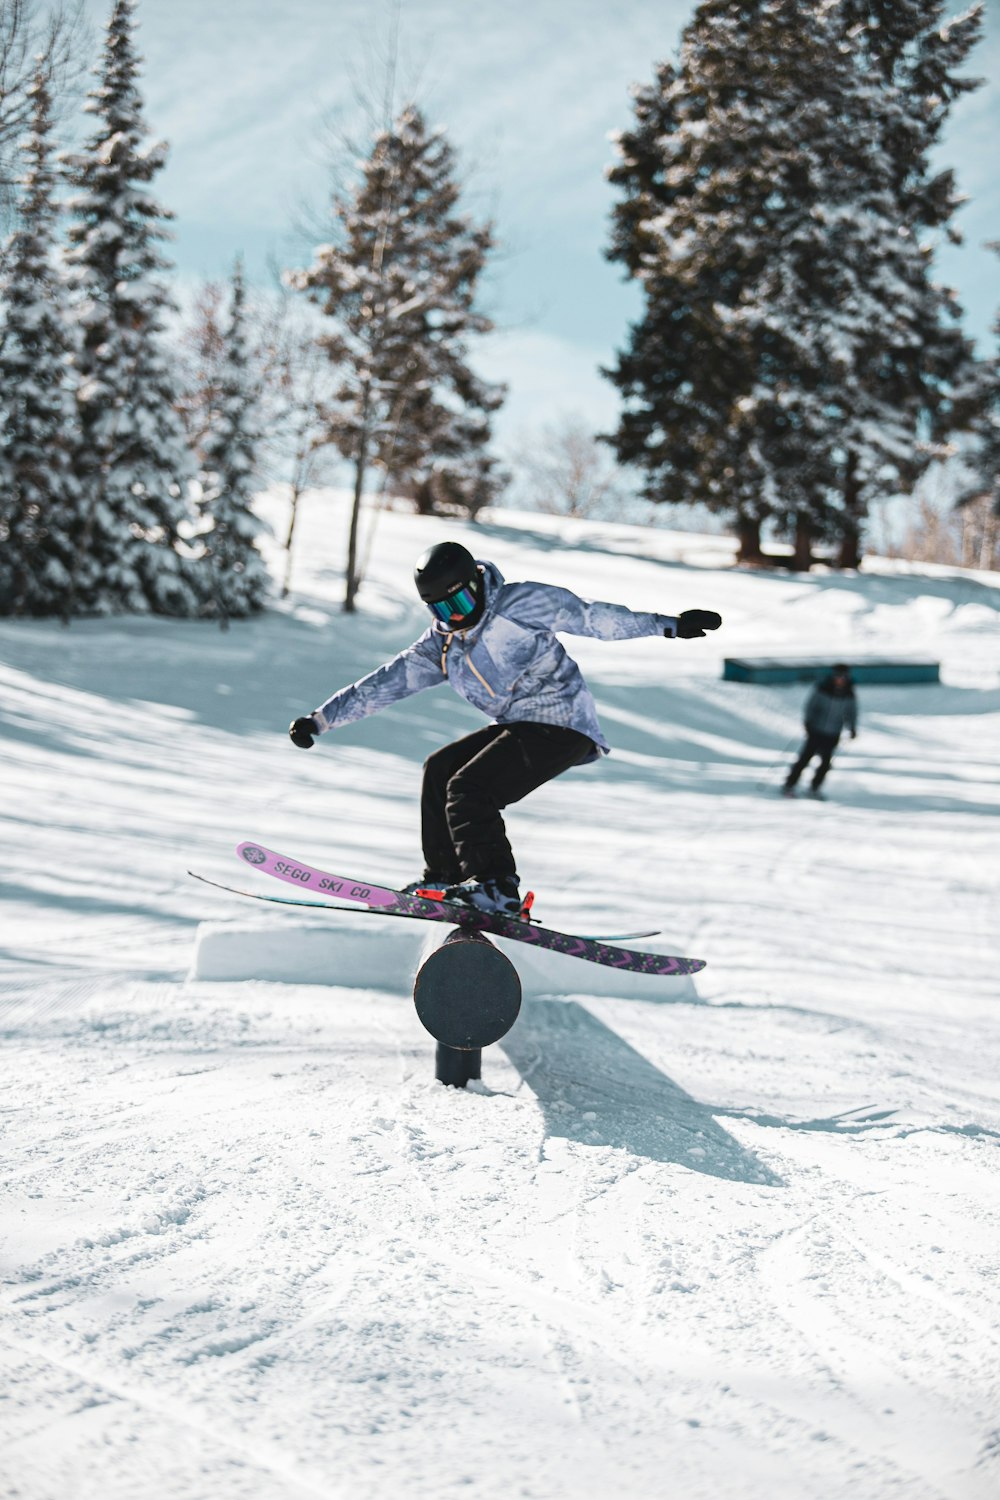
{"x":455,"y":606}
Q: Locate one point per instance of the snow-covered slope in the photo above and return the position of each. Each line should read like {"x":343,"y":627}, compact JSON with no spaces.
{"x":735,"y":1238}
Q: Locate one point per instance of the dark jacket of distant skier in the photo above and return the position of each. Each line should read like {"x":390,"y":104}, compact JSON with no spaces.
{"x":831,"y":708}
{"x":510,"y":665}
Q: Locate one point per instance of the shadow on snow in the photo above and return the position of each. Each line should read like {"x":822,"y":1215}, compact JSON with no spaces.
{"x":595,"y":1089}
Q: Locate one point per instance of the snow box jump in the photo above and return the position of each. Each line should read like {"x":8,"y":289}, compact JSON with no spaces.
{"x":467,"y":993}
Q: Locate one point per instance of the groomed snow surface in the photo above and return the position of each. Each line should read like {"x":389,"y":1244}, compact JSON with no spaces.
{"x":734,"y":1237}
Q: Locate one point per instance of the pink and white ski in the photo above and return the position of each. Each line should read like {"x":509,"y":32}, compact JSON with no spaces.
{"x":367,"y":895}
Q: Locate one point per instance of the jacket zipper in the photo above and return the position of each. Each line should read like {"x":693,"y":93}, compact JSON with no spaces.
{"x":468,"y":658}
{"x":482,"y":679}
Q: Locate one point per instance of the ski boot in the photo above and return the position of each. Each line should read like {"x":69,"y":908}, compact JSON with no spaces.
{"x":426,"y":883}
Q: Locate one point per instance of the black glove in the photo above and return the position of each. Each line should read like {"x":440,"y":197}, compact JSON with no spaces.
{"x":694,"y":622}
{"x":301,"y":732}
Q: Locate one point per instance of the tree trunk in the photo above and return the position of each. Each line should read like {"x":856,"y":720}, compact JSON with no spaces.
{"x":287,"y":582}
{"x":802,"y":556}
{"x":423,"y":497}
{"x":968,"y":537}
{"x":81,"y":549}
{"x":849,"y":555}
{"x":990,"y":527}
{"x":748,"y":532}
{"x":361,"y":463}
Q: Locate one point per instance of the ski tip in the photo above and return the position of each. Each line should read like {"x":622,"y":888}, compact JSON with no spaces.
{"x":253,"y":854}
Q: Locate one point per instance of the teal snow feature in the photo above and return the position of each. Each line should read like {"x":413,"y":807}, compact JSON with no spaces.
{"x":778,"y":669}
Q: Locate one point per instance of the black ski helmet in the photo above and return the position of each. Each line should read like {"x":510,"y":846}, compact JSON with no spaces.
{"x":445,"y":573}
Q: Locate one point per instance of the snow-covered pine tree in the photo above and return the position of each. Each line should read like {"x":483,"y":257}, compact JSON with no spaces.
{"x":399,"y":285}
{"x":133,"y":463}
{"x":439,"y":455}
{"x":763,"y":217}
{"x":226,"y":479}
{"x":915,"y":378}
{"x":39,"y":496}
{"x":980,"y":503}
{"x":682,"y":373}
{"x":715,"y":380}
{"x":988,"y":455}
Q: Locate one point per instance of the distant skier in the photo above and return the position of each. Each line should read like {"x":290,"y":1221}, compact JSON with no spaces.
{"x":830,"y":708}
{"x":496,"y":644}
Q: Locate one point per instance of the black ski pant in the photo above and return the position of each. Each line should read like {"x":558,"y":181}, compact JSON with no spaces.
{"x":468,"y":782}
{"x":822,"y":745}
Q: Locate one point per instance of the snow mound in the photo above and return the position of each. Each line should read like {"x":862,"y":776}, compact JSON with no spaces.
{"x":366,"y":953}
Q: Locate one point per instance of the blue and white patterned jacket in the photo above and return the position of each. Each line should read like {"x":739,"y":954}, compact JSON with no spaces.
{"x":510,"y":664}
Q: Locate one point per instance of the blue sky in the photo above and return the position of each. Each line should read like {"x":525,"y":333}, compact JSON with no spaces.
{"x":528,"y":93}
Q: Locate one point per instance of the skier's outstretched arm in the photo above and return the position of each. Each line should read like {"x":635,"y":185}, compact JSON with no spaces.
{"x":409,"y":672}
{"x":561,"y":609}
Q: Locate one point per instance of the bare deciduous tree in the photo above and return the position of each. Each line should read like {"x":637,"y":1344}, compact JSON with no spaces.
{"x":933,"y":535}
{"x":299,"y":391}
{"x":565,"y":470}
{"x":980,"y":532}
{"x":202,"y":346}
{"x":48,"y":43}
{"x":295,"y":386}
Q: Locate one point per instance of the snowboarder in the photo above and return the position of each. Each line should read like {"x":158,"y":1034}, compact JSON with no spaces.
{"x":496,"y":644}
{"x":830,"y":708}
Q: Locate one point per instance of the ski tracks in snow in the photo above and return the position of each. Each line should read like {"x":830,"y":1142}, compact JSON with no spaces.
{"x":277,"y":1234}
